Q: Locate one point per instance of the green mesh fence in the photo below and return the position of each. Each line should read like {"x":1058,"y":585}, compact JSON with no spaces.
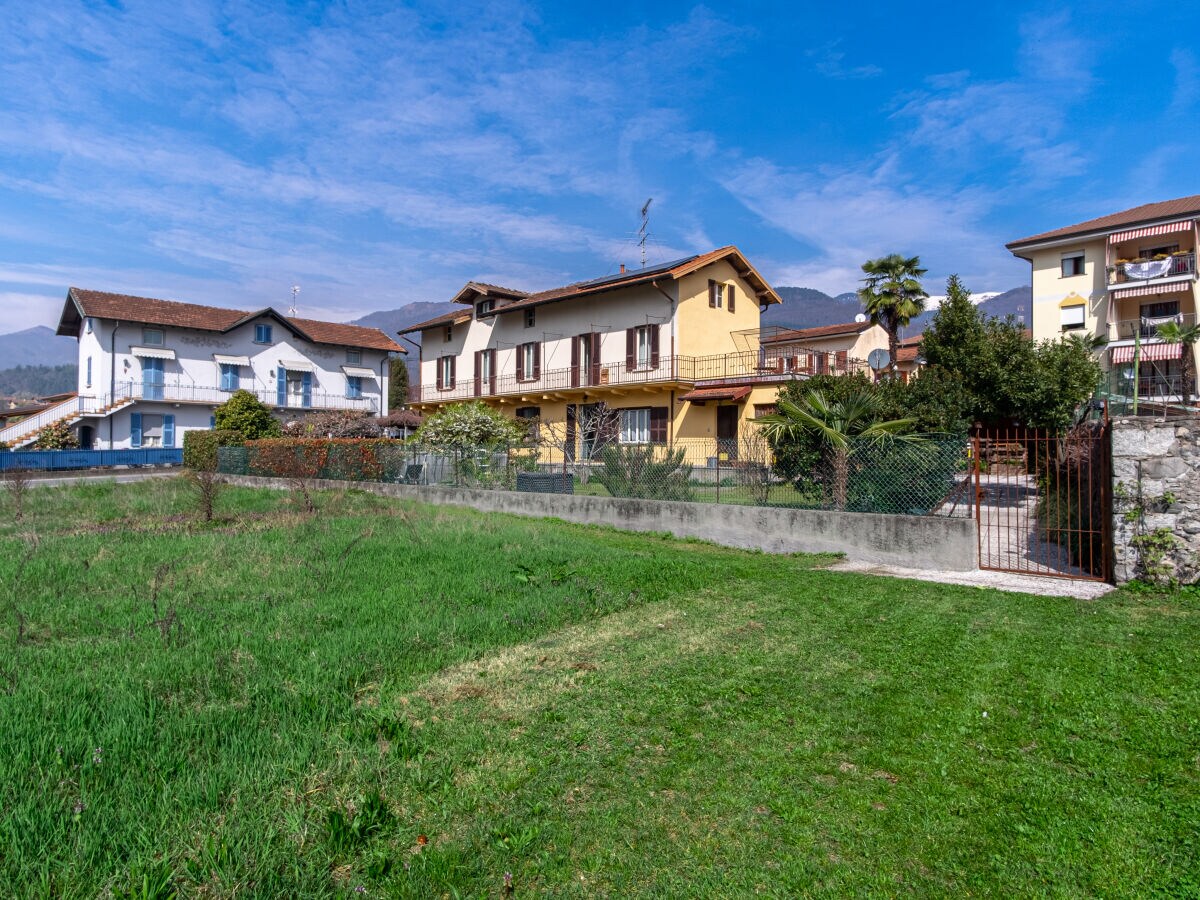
{"x":928,"y":476}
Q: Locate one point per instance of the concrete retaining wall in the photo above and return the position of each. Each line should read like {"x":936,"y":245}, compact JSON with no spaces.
{"x":922,"y":542}
{"x":1156,"y":485}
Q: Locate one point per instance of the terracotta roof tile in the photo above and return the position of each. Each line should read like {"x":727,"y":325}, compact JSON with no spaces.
{"x":454,"y":317}
{"x":150,"y":311}
{"x":823,"y":331}
{"x":1146,"y":213}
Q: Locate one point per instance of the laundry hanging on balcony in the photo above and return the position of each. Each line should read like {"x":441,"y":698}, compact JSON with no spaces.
{"x":1150,"y":268}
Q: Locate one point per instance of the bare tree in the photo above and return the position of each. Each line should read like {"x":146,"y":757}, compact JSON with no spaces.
{"x":757,"y":457}
{"x":595,"y":427}
{"x":16,"y":483}
{"x":207,"y":485}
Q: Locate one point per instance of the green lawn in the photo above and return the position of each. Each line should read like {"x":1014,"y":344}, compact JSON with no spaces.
{"x":419,"y":702}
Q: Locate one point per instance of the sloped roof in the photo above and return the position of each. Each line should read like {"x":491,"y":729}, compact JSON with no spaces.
{"x":1146,"y":213}
{"x":454,"y":317}
{"x":150,"y":311}
{"x":473,"y":289}
{"x":791,"y":335}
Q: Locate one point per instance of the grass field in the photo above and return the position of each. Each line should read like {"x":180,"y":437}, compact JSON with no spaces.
{"x":408,"y":701}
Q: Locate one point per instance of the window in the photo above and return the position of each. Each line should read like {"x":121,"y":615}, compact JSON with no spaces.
{"x":449,"y":335}
{"x":262,"y":334}
{"x":445,"y":373}
{"x":483,"y":307}
{"x":530,"y":317}
{"x":87,"y":325}
{"x":1164,"y":309}
{"x":1073,"y":317}
{"x":88,"y":383}
{"x":716,"y":294}
{"x":529,"y":412}
{"x":353,"y":387}
{"x":1072,"y":263}
{"x":765,"y":409}
{"x":152,"y":337}
{"x":229,"y":377}
{"x":354,"y":357}
{"x":529,"y":361}
{"x":635,"y":426}
{"x":643,"y":347}
{"x":1151,"y":252}
{"x":152,"y":430}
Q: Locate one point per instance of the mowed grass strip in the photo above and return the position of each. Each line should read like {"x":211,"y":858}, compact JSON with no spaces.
{"x":425,"y":702}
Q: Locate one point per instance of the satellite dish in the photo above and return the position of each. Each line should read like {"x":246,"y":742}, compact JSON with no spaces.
{"x":861,"y":317}
{"x":878,"y":359}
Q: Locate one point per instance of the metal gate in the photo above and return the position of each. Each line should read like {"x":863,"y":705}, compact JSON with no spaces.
{"x":1044,"y":500}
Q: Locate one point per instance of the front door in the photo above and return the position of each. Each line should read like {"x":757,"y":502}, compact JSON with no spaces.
{"x":152,"y":379}
{"x":727,"y":432}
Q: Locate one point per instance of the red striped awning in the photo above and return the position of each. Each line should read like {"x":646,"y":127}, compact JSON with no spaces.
{"x":1149,"y":231}
{"x":1149,"y":353}
{"x":1145,"y":290}
{"x":725,"y":393}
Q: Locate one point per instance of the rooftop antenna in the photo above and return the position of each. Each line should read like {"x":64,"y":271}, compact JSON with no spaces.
{"x":642,"y":232}
{"x":295,"y":294}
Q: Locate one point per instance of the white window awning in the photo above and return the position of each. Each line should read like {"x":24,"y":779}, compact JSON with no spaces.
{"x":1150,"y":231}
{"x":297,"y":365}
{"x":359,"y":371}
{"x":152,"y":353}
{"x":231,"y":360}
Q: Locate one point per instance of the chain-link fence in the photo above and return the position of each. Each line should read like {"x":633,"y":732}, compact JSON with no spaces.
{"x":1158,"y":389}
{"x":924,"y":476}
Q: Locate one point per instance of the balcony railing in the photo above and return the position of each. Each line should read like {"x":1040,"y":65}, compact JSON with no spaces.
{"x":748,"y":366}
{"x":186,"y":392}
{"x":1145,"y":328}
{"x":1148,"y":270}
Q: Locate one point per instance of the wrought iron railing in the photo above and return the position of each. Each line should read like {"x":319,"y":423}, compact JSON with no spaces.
{"x":1135,"y":271}
{"x":1146,"y":327}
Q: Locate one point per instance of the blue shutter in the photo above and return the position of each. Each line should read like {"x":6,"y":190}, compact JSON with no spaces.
{"x":306,"y":390}
{"x":212,"y":421}
{"x":168,"y":431}
{"x":89,"y":371}
{"x":135,"y":429}
{"x":281,"y":386}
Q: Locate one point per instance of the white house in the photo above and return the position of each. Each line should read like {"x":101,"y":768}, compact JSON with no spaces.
{"x":150,"y":370}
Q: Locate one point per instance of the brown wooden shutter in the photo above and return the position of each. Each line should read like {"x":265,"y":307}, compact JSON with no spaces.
{"x":843,"y":358}
{"x":479,"y":372}
{"x":594,"y":377}
{"x":729,"y":292}
{"x":491,"y":371}
{"x":453,"y":361}
{"x":712,"y":293}
{"x":520,"y":362}
{"x":658,"y":424}
{"x":537,"y":361}
{"x":630,"y":348}
{"x":575,"y":359}
{"x":438,"y":363}
{"x":654,"y":346}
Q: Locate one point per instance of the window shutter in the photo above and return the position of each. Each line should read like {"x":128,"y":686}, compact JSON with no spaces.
{"x":168,"y":431}
{"x":594,"y":377}
{"x":441,"y":362}
{"x":135,"y":429}
{"x":491,"y":371}
{"x":729,"y":292}
{"x":654,"y":346}
{"x":306,"y":390}
{"x":212,"y":421}
{"x":843,"y":358}
{"x":521,"y":362}
{"x":281,"y":386}
{"x":658,"y":424}
{"x":479,"y":372}
{"x":537,"y":361}
{"x":453,"y":366}
{"x":630,"y":348}
{"x":712,"y":293}
{"x":575,"y":359}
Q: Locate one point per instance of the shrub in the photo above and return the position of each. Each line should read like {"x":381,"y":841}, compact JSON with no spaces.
{"x":4,"y":447}
{"x":348,"y":459}
{"x":334,"y":423}
{"x":200,"y":447}
{"x":634,"y":472}
{"x":246,"y":414}
{"x":56,"y":436}
{"x":468,"y":425}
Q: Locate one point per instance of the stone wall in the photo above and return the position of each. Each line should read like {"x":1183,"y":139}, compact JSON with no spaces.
{"x":1156,"y":485}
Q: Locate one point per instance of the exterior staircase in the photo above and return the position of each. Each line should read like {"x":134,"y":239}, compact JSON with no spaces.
{"x":69,"y":411}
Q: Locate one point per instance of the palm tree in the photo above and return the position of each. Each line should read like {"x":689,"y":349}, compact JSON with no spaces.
{"x":1187,"y":335}
{"x":892,"y":295}
{"x":836,"y":425}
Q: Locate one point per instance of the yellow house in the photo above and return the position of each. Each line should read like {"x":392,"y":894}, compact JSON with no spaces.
{"x":1116,"y":279}
{"x":674,"y":350}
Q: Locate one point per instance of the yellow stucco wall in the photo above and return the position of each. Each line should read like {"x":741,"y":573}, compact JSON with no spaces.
{"x":704,"y":331}
{"x":1050,"y":289}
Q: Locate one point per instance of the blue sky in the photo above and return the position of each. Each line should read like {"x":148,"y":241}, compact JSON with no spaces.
{"x":378,"y":154}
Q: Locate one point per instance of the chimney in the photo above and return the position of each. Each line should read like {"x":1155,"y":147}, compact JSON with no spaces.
{"x":622,"y":268}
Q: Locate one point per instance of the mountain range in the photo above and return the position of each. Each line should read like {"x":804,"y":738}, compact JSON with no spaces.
{"x":39,"y":347}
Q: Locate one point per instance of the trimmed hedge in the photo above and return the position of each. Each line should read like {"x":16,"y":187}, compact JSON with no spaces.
{"x":200,"y":447}
{"x":346,"y":459}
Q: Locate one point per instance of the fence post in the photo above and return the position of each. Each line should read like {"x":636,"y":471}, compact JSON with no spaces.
{"x":717,"y":457}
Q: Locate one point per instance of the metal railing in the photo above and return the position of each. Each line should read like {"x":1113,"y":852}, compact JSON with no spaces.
{"x":1142,"y":270}
{"x":1146,"y":327}
{"x":177,"y":391}
{"x":58,"y":460}
{"x":747,"y":366}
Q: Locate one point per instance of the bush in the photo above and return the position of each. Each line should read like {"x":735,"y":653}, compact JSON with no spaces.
{"x":56,"y":436}
{"x":334,"y":423}
{"x":347,"y":459}
{"x":470,"y":425}
{"x":634,"y":472}
{"x":246,"y":414}
{"x":4,"y":447}
{"x":200,"y":447}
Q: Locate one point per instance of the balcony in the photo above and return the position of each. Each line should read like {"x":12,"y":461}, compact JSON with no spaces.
{"x":1176,"y":267}
{"x":1144,"y":329}
{"x":186,"y":392}
{"x":747,"y":367}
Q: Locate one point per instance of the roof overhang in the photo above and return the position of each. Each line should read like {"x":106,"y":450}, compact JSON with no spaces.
{"x":703,"y":395}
